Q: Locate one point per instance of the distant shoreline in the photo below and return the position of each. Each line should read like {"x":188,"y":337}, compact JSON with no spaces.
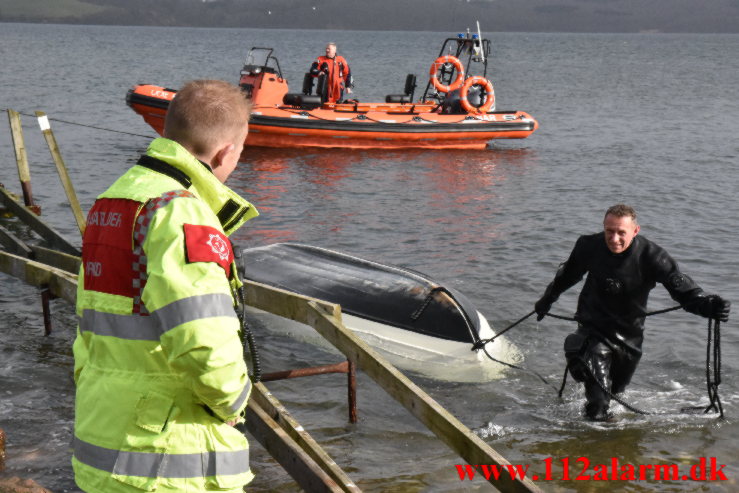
{"x":364,"y":29}
{"x":532,"y":16}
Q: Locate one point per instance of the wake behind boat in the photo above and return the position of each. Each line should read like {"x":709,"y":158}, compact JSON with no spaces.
{"x":414,"y":321}
{"x":456,"y":110}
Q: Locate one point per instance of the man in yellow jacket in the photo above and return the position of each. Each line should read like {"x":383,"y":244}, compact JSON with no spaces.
{"x":159,"y":365}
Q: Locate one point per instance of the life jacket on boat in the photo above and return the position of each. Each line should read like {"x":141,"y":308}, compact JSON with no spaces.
{"x":338,"y":75}
{"x":159,"y":364}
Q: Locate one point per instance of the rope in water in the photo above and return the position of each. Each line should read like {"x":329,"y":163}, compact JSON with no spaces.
{"x":713,"y":379}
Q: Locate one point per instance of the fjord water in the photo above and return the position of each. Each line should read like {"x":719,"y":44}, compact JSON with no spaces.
{"x":647,"y":119}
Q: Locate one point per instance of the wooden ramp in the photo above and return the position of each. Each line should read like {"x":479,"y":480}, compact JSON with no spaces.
{"x":269,"y":422}
{"x":53,"y":268}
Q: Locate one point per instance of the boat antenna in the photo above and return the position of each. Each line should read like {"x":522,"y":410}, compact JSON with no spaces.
{"x":479,"y":37}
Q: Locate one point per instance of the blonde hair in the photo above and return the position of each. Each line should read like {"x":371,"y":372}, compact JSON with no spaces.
{"x":204,"y":113}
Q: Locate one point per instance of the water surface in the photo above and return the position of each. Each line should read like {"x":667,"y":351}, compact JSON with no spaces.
{"x":645,"y":119}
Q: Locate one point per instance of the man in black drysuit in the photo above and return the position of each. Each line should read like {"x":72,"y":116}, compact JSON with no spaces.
{"x":622,"y":269}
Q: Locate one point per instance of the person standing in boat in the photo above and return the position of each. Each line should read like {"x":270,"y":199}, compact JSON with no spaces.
{"x":158,"y":360}
{"x":622,"y":268}
{"x":338,"y":75}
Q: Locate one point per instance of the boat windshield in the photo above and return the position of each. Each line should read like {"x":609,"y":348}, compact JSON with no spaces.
{"x":262,"y":57}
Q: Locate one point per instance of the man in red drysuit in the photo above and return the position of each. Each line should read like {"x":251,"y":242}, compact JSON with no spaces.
{"x":338,"y":74}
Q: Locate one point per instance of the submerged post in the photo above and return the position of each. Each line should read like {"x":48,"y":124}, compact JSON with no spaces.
{"x":46,"y":296}
{"x":21,"y":158}
{"x":2,"y":450}
{"x":43,"y":122}
{"x":352,"y":395}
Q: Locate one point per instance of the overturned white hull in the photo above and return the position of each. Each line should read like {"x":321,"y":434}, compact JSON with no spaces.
{"x":413,"y":321}
{"x":433,"y":357}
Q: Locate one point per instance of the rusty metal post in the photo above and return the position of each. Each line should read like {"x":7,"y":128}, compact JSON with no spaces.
{"x":352,"y":391}
{"x":2,"y":450}
{"x":344,"y":367}
{"x":46,"y":296}
{"x":306,"y":372}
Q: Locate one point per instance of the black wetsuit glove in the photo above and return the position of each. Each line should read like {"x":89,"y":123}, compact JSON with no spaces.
{"x":713,"y":306}
{"x":720,"y":308}
{"x":542,"y":307}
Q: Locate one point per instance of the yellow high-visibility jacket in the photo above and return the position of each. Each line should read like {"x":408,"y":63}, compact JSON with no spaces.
{"x":159,"y":364}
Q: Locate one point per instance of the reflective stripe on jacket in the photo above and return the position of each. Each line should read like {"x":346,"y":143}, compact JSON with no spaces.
{"x":159,"y":363}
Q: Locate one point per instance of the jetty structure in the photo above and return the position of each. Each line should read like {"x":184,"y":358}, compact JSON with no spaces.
{"x":51,"y":264}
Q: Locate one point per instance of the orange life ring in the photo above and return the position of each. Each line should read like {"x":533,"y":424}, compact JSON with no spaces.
{"x":442,"y":60}
{"x":489,"y":94}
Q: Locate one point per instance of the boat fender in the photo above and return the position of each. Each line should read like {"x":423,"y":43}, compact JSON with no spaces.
{"x":440,"y":63}
{"x":410,"y":85}
{"x":305,"y":101}
{"x":397,"y":98}
{"x":308,"y":84}
{"x":489,"y":94}
{"x":322,"y":87}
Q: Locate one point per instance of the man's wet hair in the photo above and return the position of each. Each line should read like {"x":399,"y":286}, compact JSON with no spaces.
{"x":621,"y":210}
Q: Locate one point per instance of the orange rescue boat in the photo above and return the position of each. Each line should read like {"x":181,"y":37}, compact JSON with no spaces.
{"x":456,"y":111}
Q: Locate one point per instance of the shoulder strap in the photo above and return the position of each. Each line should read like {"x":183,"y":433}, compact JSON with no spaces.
{"x":166,"y":169}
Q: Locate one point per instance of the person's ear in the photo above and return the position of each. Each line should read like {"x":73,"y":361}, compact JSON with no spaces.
{"x":220,"y":154}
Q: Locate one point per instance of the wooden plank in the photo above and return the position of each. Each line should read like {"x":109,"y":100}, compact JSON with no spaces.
{"x":55,"y":258}
{"x":277,"y":412}
{"x":284,"y":303}
{"x":49,"y":234}
{"x":61,"y":168}
{"x":13,"y":244}
{"x":21,"y":158}
{"x":291,"y":457}
{"x":60,"y":283}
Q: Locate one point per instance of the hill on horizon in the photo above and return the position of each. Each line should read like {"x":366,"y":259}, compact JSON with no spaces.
{"x":717,"y":16}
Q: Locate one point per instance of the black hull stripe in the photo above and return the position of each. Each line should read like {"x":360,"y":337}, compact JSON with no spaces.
{"x":404,"y":128}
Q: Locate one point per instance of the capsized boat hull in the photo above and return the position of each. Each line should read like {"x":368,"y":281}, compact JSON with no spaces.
{"x":359,"y":126}
{"x":414,"y":321}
